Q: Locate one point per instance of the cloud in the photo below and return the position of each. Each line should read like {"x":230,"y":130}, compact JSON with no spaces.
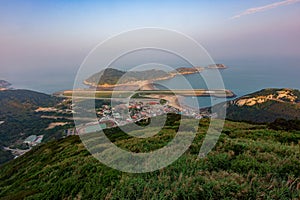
{"x":264,"y":8}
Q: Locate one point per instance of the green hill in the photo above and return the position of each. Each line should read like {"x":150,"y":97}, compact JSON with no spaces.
{"x":19,"y":120}
{"x":17,"y":112}
{"x":265,"y":106}
{"x":114,"y":76}
{"x":25,"y":99}
{"x":248,"y":162}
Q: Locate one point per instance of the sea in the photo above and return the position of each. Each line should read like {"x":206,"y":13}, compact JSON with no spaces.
{"x":241,"y":77}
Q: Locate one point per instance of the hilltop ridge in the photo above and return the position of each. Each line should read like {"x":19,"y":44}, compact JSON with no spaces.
{"x":280,"y":95}
{"x":265,"y":106}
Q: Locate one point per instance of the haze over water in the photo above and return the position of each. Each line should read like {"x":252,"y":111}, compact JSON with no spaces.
{"x":242,"y":77}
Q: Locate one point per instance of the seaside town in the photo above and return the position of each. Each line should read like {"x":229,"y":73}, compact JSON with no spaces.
{"x":109,"y":115}
{"x":137,"y":110}
{"x":148,"y":103}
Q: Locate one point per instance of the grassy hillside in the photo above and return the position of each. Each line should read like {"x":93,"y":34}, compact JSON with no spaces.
{"x":249,"y":162}
{"x":265,"y":106}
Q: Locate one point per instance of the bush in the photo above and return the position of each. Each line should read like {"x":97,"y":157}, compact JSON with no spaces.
{"x":283,"y":124}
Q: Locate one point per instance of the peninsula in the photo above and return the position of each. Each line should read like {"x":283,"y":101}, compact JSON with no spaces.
{"x":111,"y":78}
{"x":114,"y":83}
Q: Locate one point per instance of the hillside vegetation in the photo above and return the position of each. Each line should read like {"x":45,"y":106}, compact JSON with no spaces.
{"x":19,"y":120}
{"x":112,"y":76}
{"x":17,"y":112}
{"x":248,"y":162}
{"x":265,"y":106}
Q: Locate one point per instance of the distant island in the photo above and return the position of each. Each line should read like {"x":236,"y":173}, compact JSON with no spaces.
{"x":188,"y":70}
{"x":217,"y":66}
{"x":4,"y":85}
{"x":111,"y":77}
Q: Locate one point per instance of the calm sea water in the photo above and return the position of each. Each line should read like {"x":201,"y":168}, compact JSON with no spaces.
{"x":240,"y":77}
{"x":243,"y":79}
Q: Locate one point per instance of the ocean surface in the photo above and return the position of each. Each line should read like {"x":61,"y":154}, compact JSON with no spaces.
{"x":243,"y":79}
{"x":240,"y":77}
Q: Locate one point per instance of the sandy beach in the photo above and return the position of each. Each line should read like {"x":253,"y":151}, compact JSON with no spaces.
{"x":172,"y":100}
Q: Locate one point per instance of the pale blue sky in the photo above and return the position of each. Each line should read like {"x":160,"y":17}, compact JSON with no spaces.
{"x":45,"y":36}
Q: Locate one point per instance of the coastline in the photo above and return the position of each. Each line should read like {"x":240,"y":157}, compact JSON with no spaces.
{"x":185,"y":71}
{"x":135,"y":85}
{"x":131,"y":83}
{"x":149,"y":86}
{"x":172,"y":100}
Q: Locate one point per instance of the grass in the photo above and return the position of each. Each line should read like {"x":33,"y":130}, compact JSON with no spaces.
{"x":248,"y":162}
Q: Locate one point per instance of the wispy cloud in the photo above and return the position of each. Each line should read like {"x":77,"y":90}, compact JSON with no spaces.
{"x":264,"y":8}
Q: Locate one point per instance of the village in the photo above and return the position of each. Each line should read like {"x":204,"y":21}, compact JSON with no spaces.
{"x":136,"y":110}
{"x":109,"y":115}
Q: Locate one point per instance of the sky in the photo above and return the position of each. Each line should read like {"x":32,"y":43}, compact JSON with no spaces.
{"x":51,"y":38}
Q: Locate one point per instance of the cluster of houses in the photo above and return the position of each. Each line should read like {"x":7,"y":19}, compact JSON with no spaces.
{"x":138,"y":109}
{"x":148,"y":108}
{"x":121,"y":113}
